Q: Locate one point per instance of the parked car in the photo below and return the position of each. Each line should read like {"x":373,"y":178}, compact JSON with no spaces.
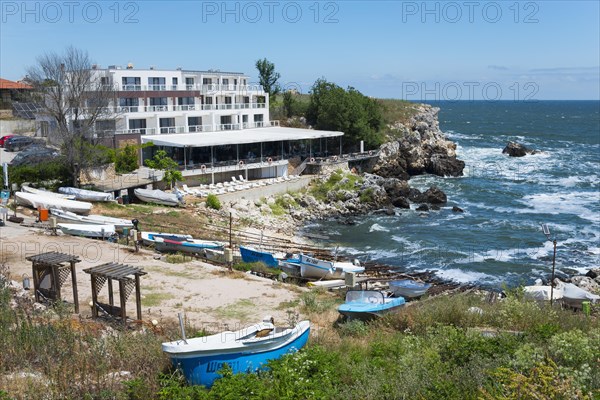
{"x":4,"y":138}
{"x":35,"y":154}
{"x":16,"y":143}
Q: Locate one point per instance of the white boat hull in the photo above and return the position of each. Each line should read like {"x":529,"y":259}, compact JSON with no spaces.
{"x":157,"y":197}
{"x":68,"y":217}
{"x":93,"y":231}
{"x":36,"y":200}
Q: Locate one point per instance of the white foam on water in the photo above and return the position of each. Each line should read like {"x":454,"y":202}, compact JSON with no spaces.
{"x":378,"y":228}
{"x":462,"y":276}
{"x":575,"y":203}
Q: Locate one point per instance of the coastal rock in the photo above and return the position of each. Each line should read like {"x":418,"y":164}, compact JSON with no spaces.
{"x":514,"y":149}
{"x":458,"y":209}
{"x":593,"y":273}
{"x":423,"y":207}
{"x":418,"y":147}
{"x":442,"y":165}
{"x":416,"y":196}
{"x":586,"y":283}
{"x":401,"y":202}
{"x":434,"y":195}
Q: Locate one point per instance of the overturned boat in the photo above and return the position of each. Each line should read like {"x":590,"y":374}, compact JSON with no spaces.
{"x":187,"y":245}
{"x":366,"y":305}
{"x":40,"y":200}
{"x":88,"y":230}
{"x":158,"y":197}
{"x":86,"y":195}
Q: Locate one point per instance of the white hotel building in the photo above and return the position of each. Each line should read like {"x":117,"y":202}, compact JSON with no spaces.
{"x":210,"y":122}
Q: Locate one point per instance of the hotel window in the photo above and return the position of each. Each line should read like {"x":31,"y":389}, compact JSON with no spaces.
{"x":258,"y":120}
{"x":174,"y":81}
{"x":189,"y":83}
{"x":167,"y":125}
{"x":228,"y":100}
{"x":137,"y":126}
{"x":195,"y":124}
{"x":207,"y":81}
{"x":186,"y":103}
{"x":158,"y":104}
{"x":129,"y":104}
{"x":225,"y":81}
{"x":106,"y":125}
{"x":157,"y":83}
{"x":131,"y":83}
{"x":104,"y":81}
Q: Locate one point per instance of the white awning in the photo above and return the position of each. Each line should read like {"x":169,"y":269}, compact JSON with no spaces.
{"x":256,"y":135}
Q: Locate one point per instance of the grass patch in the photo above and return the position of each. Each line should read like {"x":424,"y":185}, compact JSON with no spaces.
{"x":284,"y":305}
{"x":277,"y":210}
{"x":239,"y":310}
{"x":178,"y":258}
{"x":336,"y":183}
{"x":154,"y":299}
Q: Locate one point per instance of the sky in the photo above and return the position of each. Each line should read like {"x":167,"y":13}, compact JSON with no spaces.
{"x":415,"y":50}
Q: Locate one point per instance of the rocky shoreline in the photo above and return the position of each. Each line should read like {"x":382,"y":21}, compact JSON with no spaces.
{"x":414,"y":148}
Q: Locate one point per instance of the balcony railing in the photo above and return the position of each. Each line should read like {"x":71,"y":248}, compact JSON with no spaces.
{"x":204,"y":88}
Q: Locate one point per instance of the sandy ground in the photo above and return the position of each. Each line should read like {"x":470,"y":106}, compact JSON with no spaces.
{"x":208,"y":294}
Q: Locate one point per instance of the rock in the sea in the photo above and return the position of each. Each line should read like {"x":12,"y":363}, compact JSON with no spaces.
{"x":415,"y":196}
{"x":458,"y":209}
{"x":593,"y":273}
{"x":401,"y":202}
{"x":423,"y":207}
{"x":434,"y":195}
{"x":514,"y":149}
{"x":442,"y":165}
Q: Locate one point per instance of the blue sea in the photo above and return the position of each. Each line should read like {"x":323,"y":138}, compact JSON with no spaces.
{"x":498,"y":240}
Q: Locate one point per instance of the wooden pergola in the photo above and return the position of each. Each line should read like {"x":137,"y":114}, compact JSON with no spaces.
{"x":52,"y":266}
{"x":128,"y":277}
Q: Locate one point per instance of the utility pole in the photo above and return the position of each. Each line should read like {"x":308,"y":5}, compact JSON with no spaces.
{"x":546,"y":231}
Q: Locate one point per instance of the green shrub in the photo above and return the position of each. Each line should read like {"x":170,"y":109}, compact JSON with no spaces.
{"x":213,"y":202}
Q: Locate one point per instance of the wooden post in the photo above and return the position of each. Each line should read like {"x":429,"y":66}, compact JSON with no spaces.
{"x":36,"y":282}
{"x":122,"y":298}
{"x":74,"y":283}
{"x":111,"y":300}
{"x":94,"y":297}
{"x":230,"y":241}
{"x":138,"y":298}
{"x":56,"y":281}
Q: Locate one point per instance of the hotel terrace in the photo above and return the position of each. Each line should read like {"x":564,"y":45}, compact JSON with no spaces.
{"x":214,"y":124}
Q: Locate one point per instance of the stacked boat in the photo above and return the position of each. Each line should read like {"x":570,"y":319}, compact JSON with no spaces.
{"x":314,"y":268}
{"x":43,"y":200}
{"x":69,"y":217}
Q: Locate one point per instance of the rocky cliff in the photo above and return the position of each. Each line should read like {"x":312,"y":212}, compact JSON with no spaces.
{"x":418,"y":147}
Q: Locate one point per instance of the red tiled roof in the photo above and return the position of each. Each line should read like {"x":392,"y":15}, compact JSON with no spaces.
{"x":6,"y":84}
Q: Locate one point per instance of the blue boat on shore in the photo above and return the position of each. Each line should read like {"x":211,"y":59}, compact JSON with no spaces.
{"x":246,"y":350}
{"x":251,"y":255}
{"x":366,"y":305}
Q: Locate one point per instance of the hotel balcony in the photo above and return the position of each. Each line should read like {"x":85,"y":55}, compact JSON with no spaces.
{"x":204,"y":89}
{"x":175,"y":108}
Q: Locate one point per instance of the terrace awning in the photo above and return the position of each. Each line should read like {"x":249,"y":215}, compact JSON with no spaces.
{"x":221,"y":138}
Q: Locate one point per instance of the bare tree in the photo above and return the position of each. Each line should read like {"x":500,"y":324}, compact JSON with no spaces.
{"x":75,"y":97}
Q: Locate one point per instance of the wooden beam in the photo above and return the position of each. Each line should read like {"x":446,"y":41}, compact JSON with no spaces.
{"x":56,"y":282}
{"x":36,"y":282}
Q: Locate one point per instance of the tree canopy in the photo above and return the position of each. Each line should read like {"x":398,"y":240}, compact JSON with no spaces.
{"x":163,"y":162}
{"x":267,"y":76}
{"x":333,"y":108}
{"x":74,"y":98}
